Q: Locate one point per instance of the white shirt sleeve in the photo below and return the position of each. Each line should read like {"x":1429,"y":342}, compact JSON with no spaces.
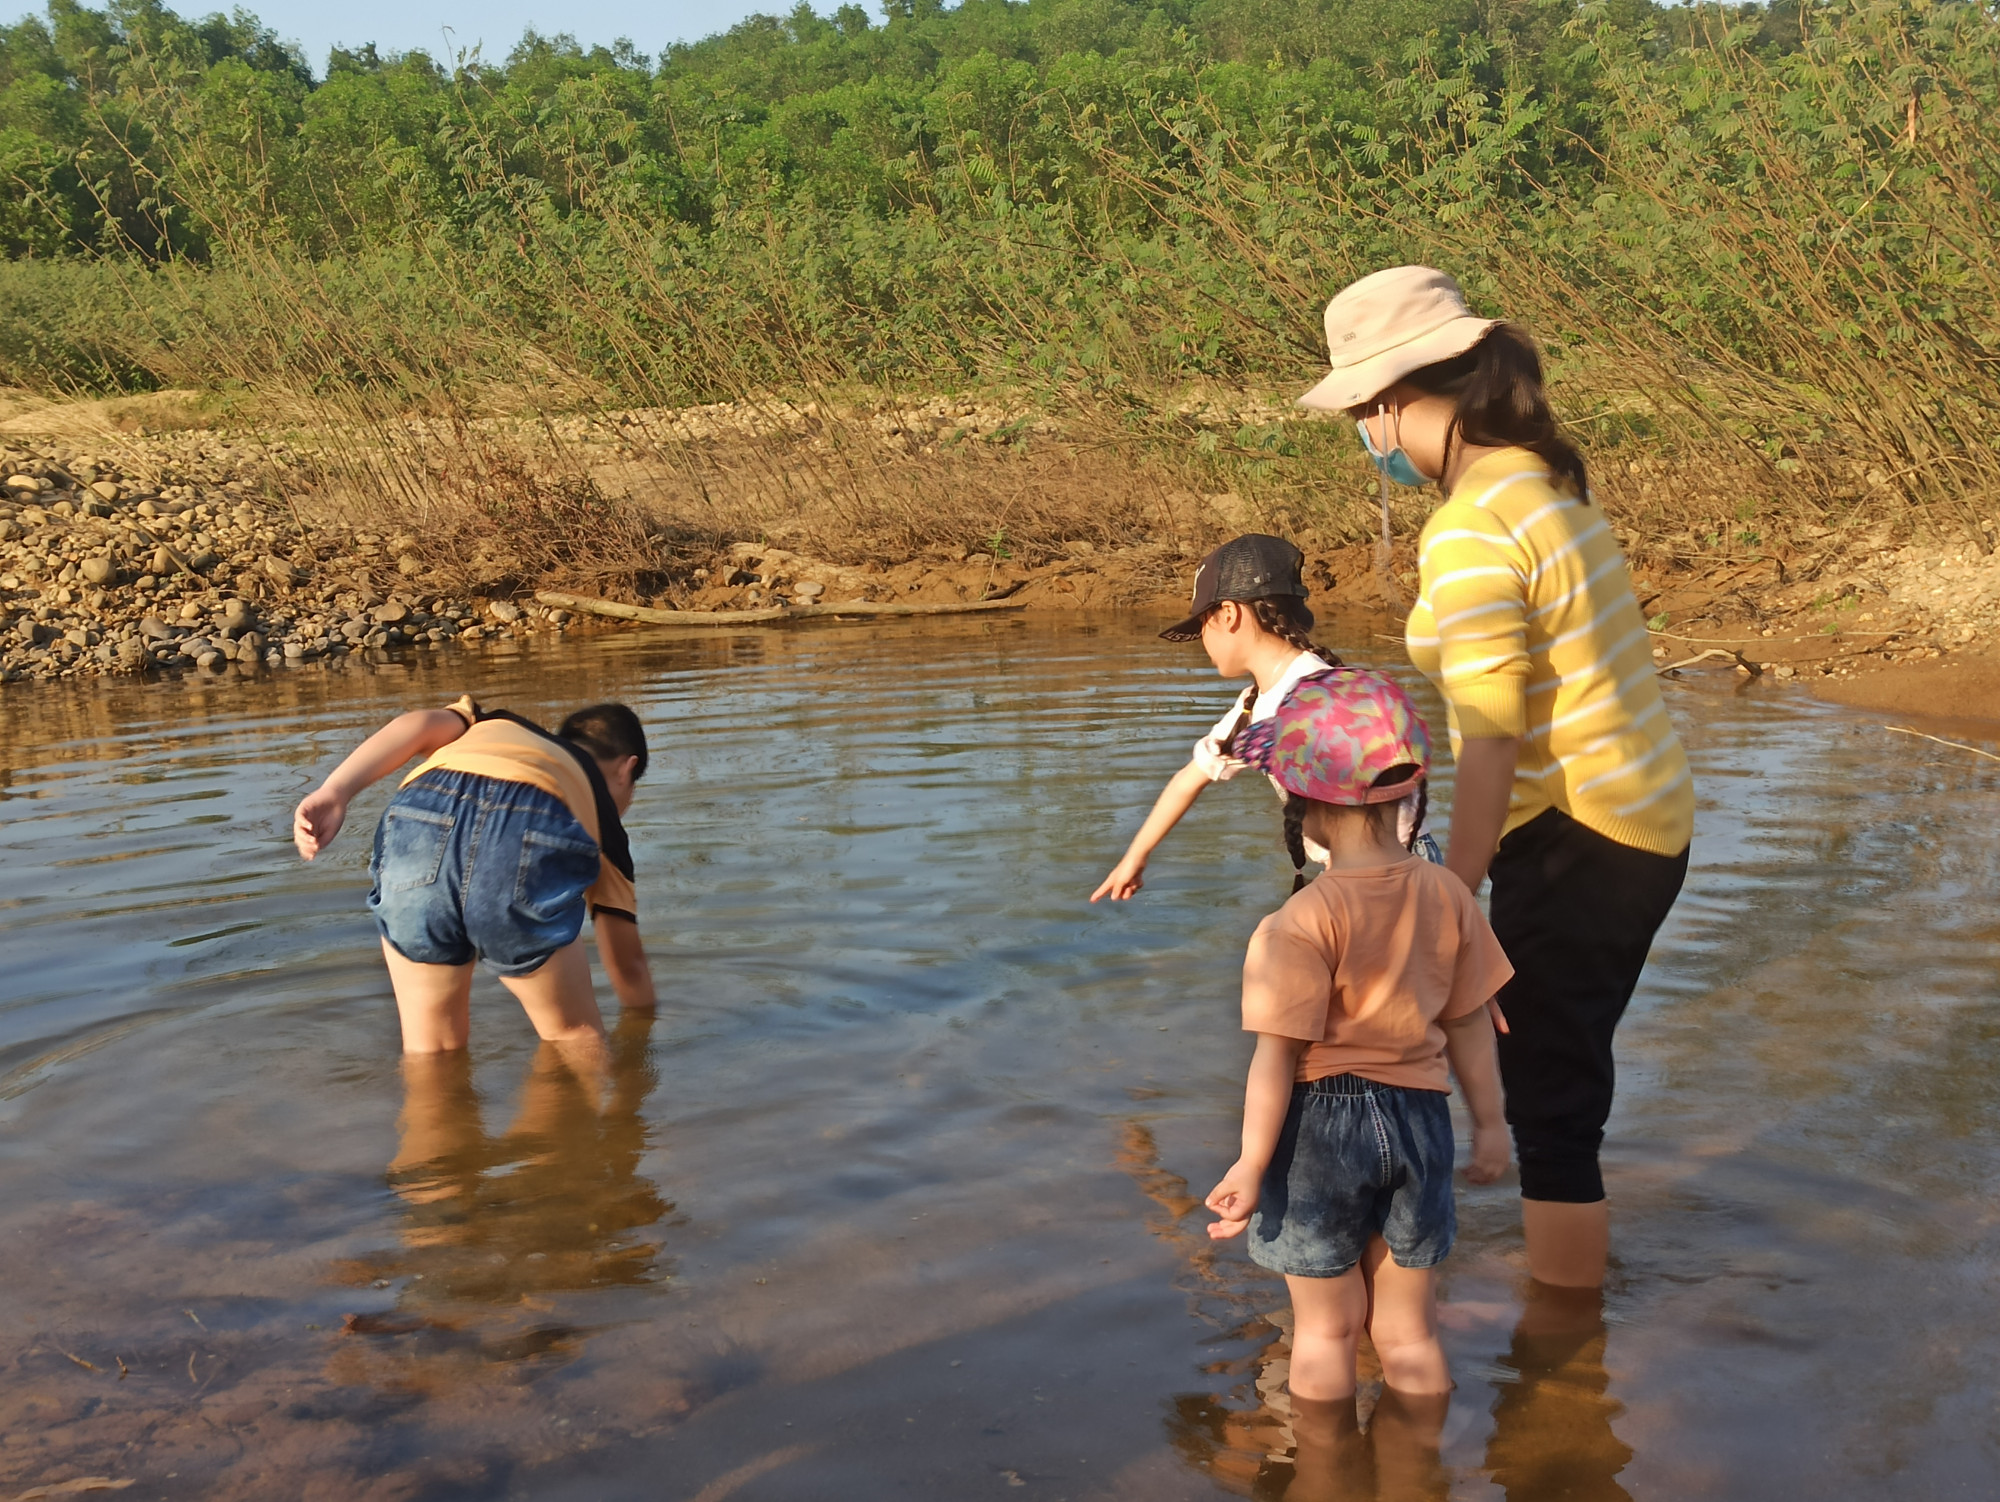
{"x":1215,"y":763}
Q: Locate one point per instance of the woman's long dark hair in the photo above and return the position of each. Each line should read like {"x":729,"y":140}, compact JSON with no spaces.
{"x":1497,"y":385}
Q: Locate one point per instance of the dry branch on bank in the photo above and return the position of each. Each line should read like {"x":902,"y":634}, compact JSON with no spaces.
{"x":855,"y":608}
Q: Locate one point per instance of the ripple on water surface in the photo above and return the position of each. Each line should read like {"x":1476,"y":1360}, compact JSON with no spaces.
{"x":897,"y":1197}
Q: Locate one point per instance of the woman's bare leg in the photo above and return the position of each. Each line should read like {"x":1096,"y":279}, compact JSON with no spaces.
{"x":434,"y":1002}
{"x":1328,"y":1315}
{"x":1402,"y":1323}
{"x":1568,"y":1245}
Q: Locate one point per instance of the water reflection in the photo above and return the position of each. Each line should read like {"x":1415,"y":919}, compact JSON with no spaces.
{"x":1552,"y":1434}
{"x":554,"y":1202}
{"x":934,"y":1119}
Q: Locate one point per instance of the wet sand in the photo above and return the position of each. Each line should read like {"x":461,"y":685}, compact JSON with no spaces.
{"x":896,"y":1197}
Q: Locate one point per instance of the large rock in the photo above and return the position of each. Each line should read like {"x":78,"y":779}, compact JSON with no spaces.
{"x":504,"y":611}
{"x":392,"y":613}
{"x":100,"y":570}
{"x":277,"y":568}
{"x":105,"y":490}
{"x":155,"y":629}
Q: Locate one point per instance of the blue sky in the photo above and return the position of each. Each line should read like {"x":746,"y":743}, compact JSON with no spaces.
{"x":400,"y":25}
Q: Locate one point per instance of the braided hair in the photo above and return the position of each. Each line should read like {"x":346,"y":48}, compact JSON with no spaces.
{"x":1297,"y":805}
{"x":1295,"y":836}
{"x":1286,"y":617}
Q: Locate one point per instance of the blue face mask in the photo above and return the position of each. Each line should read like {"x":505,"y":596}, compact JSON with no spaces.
{"x":1396,"y":464}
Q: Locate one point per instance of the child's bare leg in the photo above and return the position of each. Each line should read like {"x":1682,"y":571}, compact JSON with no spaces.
{"x":1330,"y":1454}
{"x":1403,"y":1323}
{"x":438,"y":1157}
{"x":1328,"y":1315}
{"x":1403,"y":1433}
{"x":434,"y":1002}
{"x":558,"y":997}
{"x":440,"y":1117}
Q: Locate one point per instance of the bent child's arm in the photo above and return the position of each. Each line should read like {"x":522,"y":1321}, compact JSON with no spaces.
{"x":1267,"y":1097}
{"x":321,"y":813}
{"x":624,"y":960}
{"x":1174,"y":801}
{"x":1468,"y":1043}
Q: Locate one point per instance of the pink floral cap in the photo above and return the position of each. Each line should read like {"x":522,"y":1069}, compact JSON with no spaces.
{"x":1335,"y":733}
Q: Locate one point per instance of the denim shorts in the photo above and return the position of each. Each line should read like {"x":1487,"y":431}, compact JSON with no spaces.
{"x":1356,"y":1160}
{"x":469,"y":867}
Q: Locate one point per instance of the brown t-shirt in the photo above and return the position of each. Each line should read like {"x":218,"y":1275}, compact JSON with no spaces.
{"x":505,"y":746}
{"x":1365,"y":964}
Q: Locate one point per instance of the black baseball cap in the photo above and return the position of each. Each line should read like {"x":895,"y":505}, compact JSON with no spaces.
{"x":1251,"y":567}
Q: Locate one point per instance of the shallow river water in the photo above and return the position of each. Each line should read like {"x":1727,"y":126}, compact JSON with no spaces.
{"x":897,"y":1196}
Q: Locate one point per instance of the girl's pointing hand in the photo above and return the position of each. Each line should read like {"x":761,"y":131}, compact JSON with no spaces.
{"x":1124,"y":881}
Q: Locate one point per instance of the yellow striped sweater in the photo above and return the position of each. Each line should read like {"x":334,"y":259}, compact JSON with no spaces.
{"x":1527,"y":625}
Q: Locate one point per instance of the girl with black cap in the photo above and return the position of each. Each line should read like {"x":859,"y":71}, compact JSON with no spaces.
{"x":1249,"y":614}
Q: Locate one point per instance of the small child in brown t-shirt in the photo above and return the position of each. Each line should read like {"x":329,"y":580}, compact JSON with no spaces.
{"x":1359,"y":989}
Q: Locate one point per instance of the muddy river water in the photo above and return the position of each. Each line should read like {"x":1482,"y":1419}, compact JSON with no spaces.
{"x":896,"y":1197}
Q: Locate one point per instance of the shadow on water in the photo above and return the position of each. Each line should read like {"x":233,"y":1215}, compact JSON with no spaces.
{"x":898,"y":1197}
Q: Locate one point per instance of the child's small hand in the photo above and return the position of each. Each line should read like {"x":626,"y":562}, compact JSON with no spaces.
{"x":1233,"y":1199}
{"x":317,"y":820}
{"x":1124,"y":881}
{"x":1489,"y":1154}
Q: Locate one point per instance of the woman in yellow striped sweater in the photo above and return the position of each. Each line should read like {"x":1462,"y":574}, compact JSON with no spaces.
{"x":1571,"y":785}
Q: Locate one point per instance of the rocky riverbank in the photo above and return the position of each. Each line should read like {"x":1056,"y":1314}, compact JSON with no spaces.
{"x":108,"y":570}
{"x":187,"y":552}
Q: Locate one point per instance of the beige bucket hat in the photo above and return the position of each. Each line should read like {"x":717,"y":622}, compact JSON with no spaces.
{"x":1386,"y":325}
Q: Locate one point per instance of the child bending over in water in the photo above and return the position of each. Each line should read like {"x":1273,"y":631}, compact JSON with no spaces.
{"x":1359,"y":989}
{"x":1250,"y":616}
{"x":493,"y":849}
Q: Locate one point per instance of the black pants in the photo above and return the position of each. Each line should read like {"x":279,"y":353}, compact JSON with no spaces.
{"x":1576,"y":913}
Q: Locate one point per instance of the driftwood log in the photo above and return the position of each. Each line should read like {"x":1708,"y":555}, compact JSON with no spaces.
{"x":652,"y":617}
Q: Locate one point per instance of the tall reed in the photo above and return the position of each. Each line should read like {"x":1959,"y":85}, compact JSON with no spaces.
{"x":1762,"y":269}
